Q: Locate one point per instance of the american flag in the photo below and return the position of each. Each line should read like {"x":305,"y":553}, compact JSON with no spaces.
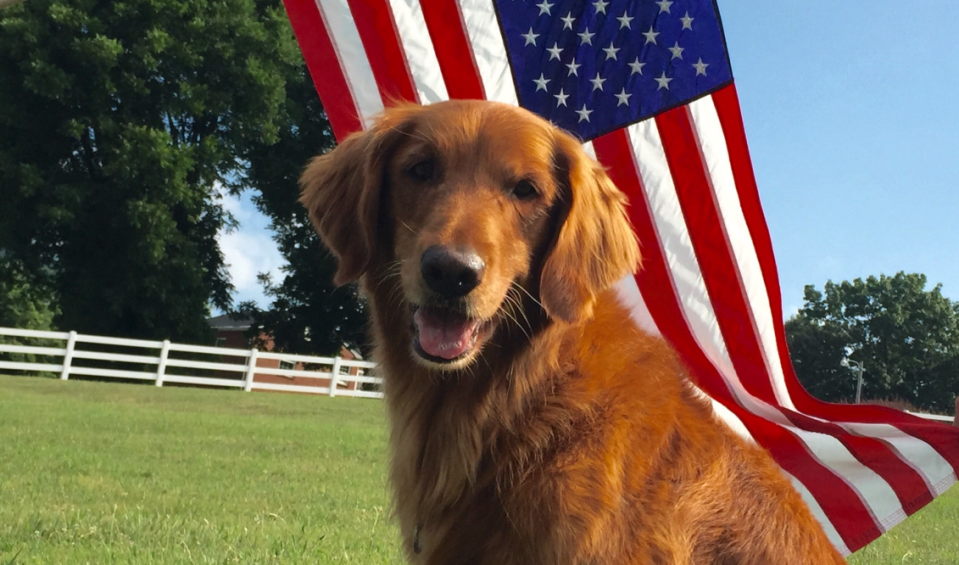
{"x":649,"y":89}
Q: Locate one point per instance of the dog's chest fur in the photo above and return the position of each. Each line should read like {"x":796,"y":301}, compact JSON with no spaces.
{"x":476,"y":451}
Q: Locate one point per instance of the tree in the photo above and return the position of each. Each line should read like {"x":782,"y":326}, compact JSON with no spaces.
{"x":117,"y":120}
{"x":22,"y":305}
{"x":308,"y":314}
{"x":907,"y":338}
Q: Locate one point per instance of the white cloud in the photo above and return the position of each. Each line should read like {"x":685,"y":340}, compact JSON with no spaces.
{"x":249,"y":250}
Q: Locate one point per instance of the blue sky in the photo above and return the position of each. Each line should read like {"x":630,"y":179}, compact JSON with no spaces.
{"x":853,"y":132}
{"x":851,"y":119}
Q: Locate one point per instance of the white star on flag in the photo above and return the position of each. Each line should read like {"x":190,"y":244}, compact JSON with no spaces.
{"x":586,"y":37}
{"x":530,"y":37}
{"x":584,"y":113}
{"x":623,"y":98}
{"x":700,"y":67}
{"x":649,"y":35}
{"x":624,"y":21}
{"x":561,"y":98}
{"x":597,"y":82}
{"x":554,"y":51}
{"x":600,"y":7}
{"x":687,"y":21}
{"x":541,"y":82}
{"x":663,"y":81}
{"x":544,"y":8}
{"x":611,"y":51}
{"x":677,"y":51}
{"x":637,"y":66}
{"x":572,"y":68}
{"x":568,"y":21}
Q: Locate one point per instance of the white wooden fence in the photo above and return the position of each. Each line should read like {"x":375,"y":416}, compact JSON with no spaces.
{"x":337,"y":376}
{"x":165,"y":356}
{"x":936,"y":417}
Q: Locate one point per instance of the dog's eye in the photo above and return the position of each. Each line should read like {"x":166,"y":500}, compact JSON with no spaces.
{"x":524,"y":190}
{"x":422,"y":171}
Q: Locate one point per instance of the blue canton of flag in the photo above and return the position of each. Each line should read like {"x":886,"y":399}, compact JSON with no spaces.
{"x":593,"y":67}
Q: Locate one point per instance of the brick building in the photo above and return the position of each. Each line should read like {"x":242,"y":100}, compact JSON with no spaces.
{"x":231,"y":333}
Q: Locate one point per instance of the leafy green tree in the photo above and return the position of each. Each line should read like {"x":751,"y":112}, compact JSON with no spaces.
{"x":307,"y":314}
{"x":817,"y":348}
{"x":907,"y":338}
{"x":23,"y":305}
{"x":117,"y":121}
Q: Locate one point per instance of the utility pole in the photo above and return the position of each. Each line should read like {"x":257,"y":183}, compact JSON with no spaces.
{"x":845,"y":362}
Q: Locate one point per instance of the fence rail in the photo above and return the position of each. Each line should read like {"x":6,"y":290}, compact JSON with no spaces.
{"x":935,"y":417}
{"x":247,"y":369}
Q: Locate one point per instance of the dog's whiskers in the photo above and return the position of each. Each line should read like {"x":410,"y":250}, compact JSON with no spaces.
{"x":526,"y":292}
{"x":512,"y":306}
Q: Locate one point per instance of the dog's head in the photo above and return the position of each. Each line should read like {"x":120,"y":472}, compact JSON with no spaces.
{"x":475,"y":208}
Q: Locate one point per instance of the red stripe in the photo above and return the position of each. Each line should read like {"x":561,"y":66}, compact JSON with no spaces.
{"x":374,"y":21}
{"x":713,"y":252}
{"x":944,"y":439}
{"x":324,"y":67}
{"x":841,"y":503}
{"x":453,"y":50}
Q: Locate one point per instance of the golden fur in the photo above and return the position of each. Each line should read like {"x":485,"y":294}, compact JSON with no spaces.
{"x":564,"y":434}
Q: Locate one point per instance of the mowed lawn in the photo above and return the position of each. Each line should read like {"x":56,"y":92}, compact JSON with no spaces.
{"x":113,"y":473}
{"x":117,"y":473}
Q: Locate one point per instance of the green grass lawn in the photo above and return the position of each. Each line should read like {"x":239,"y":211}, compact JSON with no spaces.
{"x":115,"y":473}
{"x":104,"y":473}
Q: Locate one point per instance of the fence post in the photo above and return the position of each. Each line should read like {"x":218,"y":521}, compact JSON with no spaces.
{"x":250,"y":371}
{"x":335,"y":377}
{"x":68,"y":358}
{"x":161,"y":367}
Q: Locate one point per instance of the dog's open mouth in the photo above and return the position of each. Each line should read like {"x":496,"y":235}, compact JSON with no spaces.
{"x":443,"y":335}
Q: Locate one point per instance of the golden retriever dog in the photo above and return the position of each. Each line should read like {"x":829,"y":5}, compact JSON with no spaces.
{"x":532,"y":422}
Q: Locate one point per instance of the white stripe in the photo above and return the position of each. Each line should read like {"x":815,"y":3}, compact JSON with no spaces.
{"x":590,"y":150}
{"x":352,"y":58}
{"x":730,"y":419}
{"x":489,"y":50}
{"x":712,"y":143}
{"x":915,"y":452}
{"x":630,"y":297}
{"x":819,"y":515}
{"x":726,"y":416}
{"x":690,"y":289}
{"x":418,"y":51}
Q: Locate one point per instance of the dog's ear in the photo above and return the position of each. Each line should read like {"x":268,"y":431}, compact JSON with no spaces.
{"x":594,"y":245}
{"x":341,"y":190}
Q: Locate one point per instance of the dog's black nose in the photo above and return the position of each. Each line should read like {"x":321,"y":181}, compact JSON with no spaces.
{"x":451,"y":273}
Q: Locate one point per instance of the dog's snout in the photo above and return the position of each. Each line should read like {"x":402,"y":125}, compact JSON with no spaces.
{"x":451,"y":273}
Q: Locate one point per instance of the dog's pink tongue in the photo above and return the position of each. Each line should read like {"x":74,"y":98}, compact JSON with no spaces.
{"x":446,"y":337}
